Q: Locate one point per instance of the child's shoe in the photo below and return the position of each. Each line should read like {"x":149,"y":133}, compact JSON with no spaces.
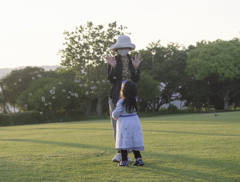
{"x":123,"y":164}
{"x":138,"y":162}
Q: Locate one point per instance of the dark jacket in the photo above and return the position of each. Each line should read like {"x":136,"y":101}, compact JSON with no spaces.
{"x":115,"y":77}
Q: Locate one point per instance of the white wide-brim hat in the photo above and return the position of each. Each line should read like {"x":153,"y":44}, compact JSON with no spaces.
{"x":123,"y":41}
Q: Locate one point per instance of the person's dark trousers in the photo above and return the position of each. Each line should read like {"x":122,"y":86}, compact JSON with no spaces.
{"x":124,"y":154}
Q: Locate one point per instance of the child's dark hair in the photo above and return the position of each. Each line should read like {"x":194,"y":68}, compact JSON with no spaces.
{"x":129,"y":93}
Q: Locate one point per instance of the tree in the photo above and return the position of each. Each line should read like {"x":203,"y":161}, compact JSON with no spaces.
{"x":18,"y":81}
{"x":172,"y":70}
{"x":235,"y":98}
{"x":169,"y":66}
{"x":2,"y":98}
{"x":152,"y":69}
{"x":168,"y":69}
{"x":148,"y":90}
{"x":57,"y":92}
{"x":99,"y":86}
{"x":196,"y":93}
{"x":89,"y":45}
{"x":219,"y":62}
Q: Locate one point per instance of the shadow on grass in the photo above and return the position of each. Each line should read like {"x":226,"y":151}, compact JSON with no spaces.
{"x":184,"y":174}
{"x":191,"y":133}
{"x":161,"y":131}
{"x":88,"y":121}
{"x":69,"y":128}
{"x":73,"y":145}
{"x":221,"y":169}
{"x":218,"y":164}
{"x":191,"y":122}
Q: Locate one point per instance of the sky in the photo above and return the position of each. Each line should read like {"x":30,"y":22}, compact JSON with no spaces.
{"x":31,"y":31}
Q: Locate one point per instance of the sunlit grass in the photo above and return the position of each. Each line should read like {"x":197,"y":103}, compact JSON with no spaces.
{"x":198,"y":147}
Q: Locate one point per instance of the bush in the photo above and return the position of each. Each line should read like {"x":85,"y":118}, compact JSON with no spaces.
{"x":30,"y":117}
{"x":172,"y":109}
{"x":5,"y":120}
{"x":163,"y":110}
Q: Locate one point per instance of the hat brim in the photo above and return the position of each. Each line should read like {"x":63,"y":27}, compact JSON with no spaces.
{"x":131,"y":46}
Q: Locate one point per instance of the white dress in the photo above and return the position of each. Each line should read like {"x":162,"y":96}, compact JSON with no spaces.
{"x":129,"y":134}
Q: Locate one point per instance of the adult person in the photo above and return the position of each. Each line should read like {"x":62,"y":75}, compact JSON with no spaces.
{"x":121,"y":68}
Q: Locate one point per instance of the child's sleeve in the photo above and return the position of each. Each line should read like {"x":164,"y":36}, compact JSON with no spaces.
{"x":118,"y":109}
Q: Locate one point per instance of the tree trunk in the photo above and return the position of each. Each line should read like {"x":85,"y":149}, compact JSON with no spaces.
{"x":208,"y":104}
{"x":99,"y":106}
{"x":88,"y":109}
{"x":153,"y":108}
{"x":89,"y":100}
{"x":66,"y":115}
{"x":169,"y":101}
{"x":226,"y":101}
{"x":4,"y":108}
{"x":159,"y":105}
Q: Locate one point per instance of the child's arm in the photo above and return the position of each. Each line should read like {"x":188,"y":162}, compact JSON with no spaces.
{"x":118,"y":110}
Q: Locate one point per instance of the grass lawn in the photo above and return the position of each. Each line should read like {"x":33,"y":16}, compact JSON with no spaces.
{"x":196,"y":147}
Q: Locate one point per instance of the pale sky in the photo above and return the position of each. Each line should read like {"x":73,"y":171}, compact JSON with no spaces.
{"x":31,"y":31}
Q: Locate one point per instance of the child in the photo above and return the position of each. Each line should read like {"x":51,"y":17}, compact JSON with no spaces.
{"x":129,"y":130}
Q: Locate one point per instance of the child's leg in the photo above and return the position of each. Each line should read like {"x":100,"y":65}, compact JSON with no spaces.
{"x":138,"y":157}
{"x":137,"y":154}
{"x":124,"y":155}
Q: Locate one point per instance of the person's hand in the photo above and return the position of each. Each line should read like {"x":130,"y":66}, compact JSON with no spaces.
{"x":115,"y":118}
{"x":137,"y":61}
{"x":112,"y":61}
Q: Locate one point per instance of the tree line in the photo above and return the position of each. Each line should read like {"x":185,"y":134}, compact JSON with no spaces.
{"x":205,"y":75}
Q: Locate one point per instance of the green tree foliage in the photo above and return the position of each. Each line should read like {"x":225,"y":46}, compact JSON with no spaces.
{"x":168,"y":68}
{"x":18,"y":81}
{"x":218,"y":62}
{"x":99,"y":85}
{"x":172,"y":71}
{"x":220,"y":58}
{"x":89,"y":44}
{"x":148,"y":90}
{"x":147,"y":63}
{"x":2,"y":98}
{"x":201,"y":74}
{"x":55,"y":92}
{"x":235,"y":98}
{"x":196,"y":93}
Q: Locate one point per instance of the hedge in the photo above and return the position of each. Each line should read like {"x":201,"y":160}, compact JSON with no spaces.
{"x":5,"y":120}
{"x":34,"y":117}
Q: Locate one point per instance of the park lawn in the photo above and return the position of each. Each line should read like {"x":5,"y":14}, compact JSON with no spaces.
{"x":191,"y":147}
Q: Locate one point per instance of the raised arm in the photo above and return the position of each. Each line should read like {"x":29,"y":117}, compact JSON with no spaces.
{"x":112,"y":63}
{"x":136,"y":72}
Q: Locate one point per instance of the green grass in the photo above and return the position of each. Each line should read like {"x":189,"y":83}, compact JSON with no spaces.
{"x":197,"y":147}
